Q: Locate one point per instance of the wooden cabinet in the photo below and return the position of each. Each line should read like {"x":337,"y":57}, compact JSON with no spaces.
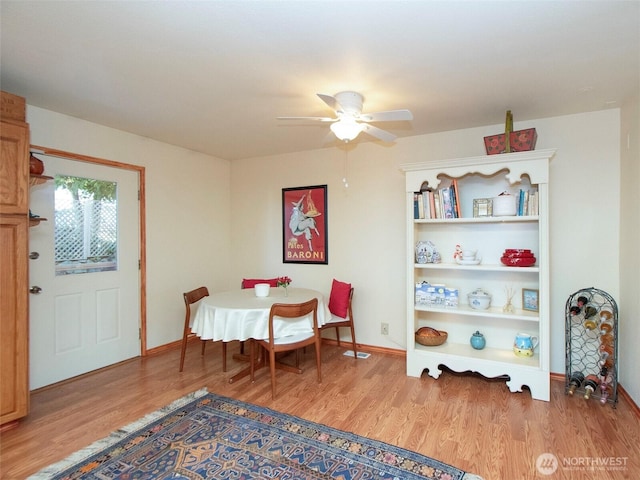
{"x":481,"y":178}
{"x":14,"y":320}
{"x":14,"y":244}
{"x":14,"y":169}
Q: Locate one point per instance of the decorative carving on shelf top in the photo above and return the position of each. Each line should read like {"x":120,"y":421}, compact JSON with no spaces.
{"x":516,"y":164}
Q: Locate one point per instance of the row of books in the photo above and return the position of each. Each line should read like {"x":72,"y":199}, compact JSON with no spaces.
{"x":441,"y":203}
{"x":445,"y":203}
{"x":527,"y":203}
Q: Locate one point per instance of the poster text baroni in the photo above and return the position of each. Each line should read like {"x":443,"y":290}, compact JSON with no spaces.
{"x":296,"y":251}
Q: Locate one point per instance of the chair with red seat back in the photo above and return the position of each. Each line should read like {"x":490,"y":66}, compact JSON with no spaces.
{"x":252,"y":282}
{"x":340,"y":306}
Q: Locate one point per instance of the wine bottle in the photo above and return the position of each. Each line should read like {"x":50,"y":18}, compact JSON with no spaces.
{"x":575,"y":381}
{"x":605,"y":393}
{"x":590,"y":384}
{"x":606,"y":348}
{"x":605,"y":325}
{"x":606,"y":360}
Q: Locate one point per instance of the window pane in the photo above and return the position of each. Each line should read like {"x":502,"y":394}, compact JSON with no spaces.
{"x":86,"y":219}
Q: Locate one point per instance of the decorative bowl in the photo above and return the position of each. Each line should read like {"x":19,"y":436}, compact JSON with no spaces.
{"x":518,"y":255}
{"x":518,"y":261}
{"x":431,"y":341}
{"x":479,"y":299}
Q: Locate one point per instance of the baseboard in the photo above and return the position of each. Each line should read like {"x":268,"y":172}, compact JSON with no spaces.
{"x":558,"y":377}
{"x":367,"y":348}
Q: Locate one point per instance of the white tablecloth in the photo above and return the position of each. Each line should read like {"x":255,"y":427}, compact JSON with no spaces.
{"x":240,"y":315}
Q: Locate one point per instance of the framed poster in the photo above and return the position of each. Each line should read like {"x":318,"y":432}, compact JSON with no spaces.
{"x":304,"y":225}
{"x":530,"y":299}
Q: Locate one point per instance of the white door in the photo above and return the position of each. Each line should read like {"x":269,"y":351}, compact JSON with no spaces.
{"x":83,"y":321}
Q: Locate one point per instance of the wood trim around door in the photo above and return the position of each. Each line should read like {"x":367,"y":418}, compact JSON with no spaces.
{"x":142,"y":212}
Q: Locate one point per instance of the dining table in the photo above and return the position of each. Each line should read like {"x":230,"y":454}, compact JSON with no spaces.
{"x":244,"y":316}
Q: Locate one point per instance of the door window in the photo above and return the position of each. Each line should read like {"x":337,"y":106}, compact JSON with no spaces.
{"x":86,"y":219}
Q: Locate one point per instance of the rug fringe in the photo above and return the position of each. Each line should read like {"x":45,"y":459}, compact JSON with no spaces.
{"x":115,"y":437}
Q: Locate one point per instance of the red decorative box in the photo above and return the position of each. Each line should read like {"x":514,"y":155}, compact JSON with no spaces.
{"x":521,"y":141}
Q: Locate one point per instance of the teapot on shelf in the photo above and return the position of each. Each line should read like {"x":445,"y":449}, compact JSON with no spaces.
{"x":524,"y":344}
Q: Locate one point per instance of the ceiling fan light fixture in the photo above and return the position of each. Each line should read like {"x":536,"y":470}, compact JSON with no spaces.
{"x":346,"y":130}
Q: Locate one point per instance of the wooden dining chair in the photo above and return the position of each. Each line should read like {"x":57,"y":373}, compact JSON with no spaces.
{"x":190,"y":298}
{"x":340,"y":306}
{"x":291,"y":313}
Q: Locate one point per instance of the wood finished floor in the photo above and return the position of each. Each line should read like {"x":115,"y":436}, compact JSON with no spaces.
{"x":472,"y":423}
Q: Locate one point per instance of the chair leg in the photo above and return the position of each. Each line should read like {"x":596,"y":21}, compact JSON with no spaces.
{"x":224,"y":356}
{"x":338,"y":335}
{"x":183,"y":351}
{"x":318,"y":359}
{"x":272,"y":367}
{"x":353,"y":340}
{"x":204,"y":343}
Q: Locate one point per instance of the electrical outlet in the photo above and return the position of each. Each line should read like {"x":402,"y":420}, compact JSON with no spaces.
{"x":384,"y":328}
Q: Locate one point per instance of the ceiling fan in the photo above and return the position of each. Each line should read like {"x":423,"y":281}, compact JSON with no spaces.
{"x":350,"y":120}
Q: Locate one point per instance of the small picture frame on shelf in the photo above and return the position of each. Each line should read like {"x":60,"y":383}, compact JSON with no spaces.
{"x":482,"y":207}
{"x":530,"y":299}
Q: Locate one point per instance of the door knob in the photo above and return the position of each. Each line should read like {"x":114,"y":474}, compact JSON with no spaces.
{"x":35,"y":289}
{"x":34,"y":255}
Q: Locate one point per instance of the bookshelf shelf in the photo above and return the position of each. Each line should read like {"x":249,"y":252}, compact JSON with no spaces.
{"x":481,"y":177}
{"x":514,"y":219}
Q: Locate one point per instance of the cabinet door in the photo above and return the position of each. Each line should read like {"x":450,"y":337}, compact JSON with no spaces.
{"x":14,"y":325}
{"x":14,"y":168}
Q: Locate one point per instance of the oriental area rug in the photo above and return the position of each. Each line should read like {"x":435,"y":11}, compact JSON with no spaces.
{"x":206,"y":436}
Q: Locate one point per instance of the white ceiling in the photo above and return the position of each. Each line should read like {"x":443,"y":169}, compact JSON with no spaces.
{"x":212,"y":76}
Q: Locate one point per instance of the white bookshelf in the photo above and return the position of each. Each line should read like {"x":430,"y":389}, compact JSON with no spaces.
{"x":482,"y":177}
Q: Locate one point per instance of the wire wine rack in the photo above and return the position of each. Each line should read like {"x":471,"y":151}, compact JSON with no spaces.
{"x":591,"y":337}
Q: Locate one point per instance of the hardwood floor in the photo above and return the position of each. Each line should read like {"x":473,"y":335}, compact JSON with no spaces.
{"x":464,"y":420}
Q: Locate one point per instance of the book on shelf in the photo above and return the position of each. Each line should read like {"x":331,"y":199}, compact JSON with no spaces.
{"x":527,"y":202}
{"x":425,"y":204}
{"x":456,"y":198}
{"x":446,"y":202}
{"x":438,"y":205}
{"x":432,"y":205}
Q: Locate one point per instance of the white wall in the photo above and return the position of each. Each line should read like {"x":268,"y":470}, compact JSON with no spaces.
{"x":366,"y":221}
{"x":629,"y":359}
{"x":187,"y":211}
{"x":199,"y":208}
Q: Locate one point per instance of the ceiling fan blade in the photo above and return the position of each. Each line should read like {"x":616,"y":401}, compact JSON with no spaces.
{"x":389,"y":116}
{"x":314,"y":119}
{"x":331,"y":101}
{"x":378,"y":133}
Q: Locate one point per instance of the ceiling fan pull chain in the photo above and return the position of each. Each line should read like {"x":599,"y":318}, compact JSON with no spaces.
{"x":345,"y":182}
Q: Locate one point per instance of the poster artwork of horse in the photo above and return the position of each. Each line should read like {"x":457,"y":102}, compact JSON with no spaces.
{"x":304,"y":219}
